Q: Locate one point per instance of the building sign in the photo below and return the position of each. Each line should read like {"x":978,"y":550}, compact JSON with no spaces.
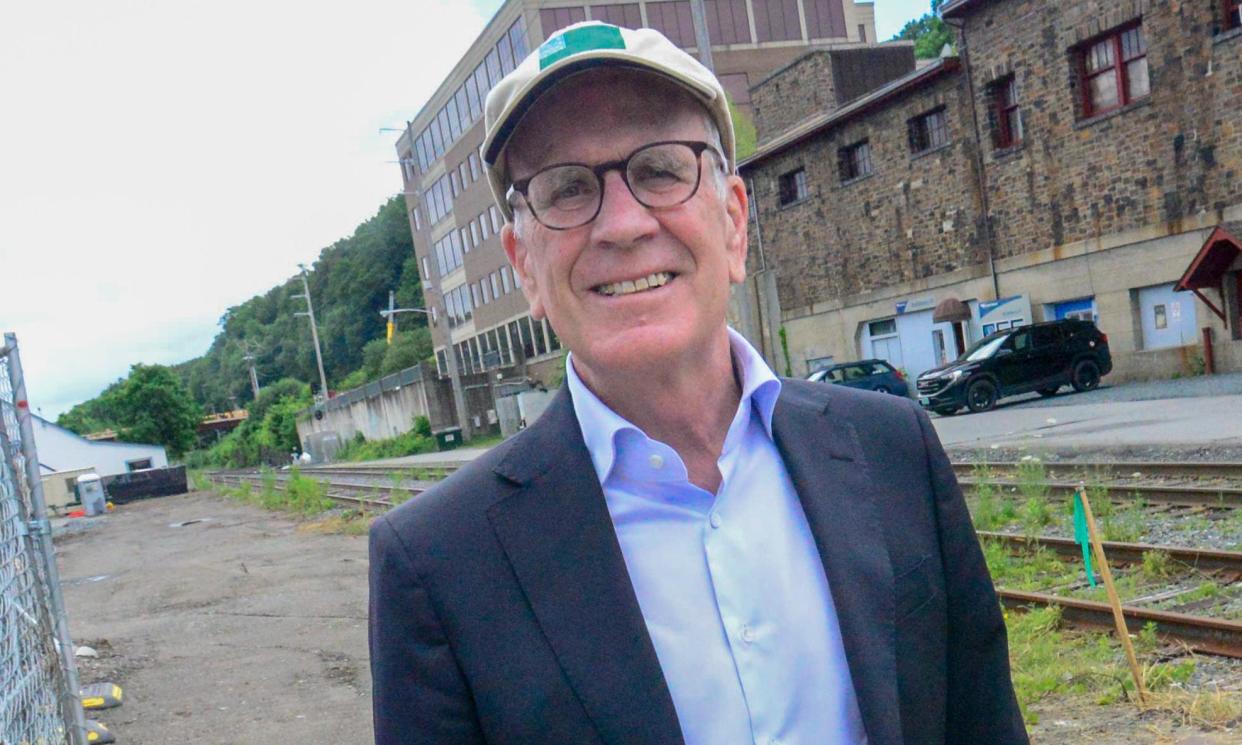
{"x":913,"y":306}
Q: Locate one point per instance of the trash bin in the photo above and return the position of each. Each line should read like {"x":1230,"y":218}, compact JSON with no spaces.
{"x":448,"y":438}
{"x":91,"y":492}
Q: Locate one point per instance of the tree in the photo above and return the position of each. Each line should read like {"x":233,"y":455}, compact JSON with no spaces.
{"x":153,"y":406}
{"x":408,"y":348}
{"x":929,"y":33}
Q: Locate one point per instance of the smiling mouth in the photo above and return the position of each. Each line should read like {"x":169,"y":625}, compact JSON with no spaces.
{"x":629,"y":287}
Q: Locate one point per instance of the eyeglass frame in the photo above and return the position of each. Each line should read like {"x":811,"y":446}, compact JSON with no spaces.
{"x":520,"y":186}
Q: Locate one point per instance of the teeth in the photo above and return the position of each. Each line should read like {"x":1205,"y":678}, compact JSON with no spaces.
{"x":650,"y":282}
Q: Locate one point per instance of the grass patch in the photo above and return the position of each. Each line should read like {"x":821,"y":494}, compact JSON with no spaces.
{"x":199,"y":480}
{"x":1027,"y":570}
{"x":1049,"y":662}
{"x":301,"y":495}
{"x":409,"y":443}
{"x":350,"y":522}
{"x":1125,"y":526}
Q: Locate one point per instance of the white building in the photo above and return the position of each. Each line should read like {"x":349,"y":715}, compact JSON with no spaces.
{"x":62,"y":450}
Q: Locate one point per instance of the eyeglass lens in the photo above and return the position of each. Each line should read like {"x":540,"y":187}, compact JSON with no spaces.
{"x":660,"y":175}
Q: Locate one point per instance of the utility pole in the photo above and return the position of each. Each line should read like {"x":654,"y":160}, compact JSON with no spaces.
{"x":310,"y":312}
{"x":450,"y":356}
{"x":701,"y":38}
{"x":254,"y":376}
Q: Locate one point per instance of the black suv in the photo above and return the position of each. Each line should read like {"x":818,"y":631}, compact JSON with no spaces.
{"x":1041,"y":357}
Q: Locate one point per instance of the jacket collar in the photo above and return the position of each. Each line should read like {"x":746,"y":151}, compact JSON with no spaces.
{"x":559,"y":538}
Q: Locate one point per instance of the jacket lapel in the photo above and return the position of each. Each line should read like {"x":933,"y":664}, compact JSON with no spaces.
{"x":559,"y":538}
{"x":838,"y":497}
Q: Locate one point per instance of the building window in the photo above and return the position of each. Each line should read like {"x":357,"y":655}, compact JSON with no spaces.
{"x":1233,"y":14}
{"x":505,"y":283}
{"x":825,"y":19}
{"x":474,"y":233}
{"x":862,"y":33}
{"x":672,"y":19}
{"x":474,"y":166}
{"x":485,"y":226}
{"x":495,"y":214}
{"x":854,"y":161}
{"x":1007,"y":125}
{"x":625,"y":14}
{"x":1114,"y":71}
{"x":928,"y":131}
{"x":727,"y":22}
{"x":495,"y":280}
{"x":777,"y":20}
{"x":417,"y":218}
{"x":426,"y":269}
{"x":793,"y":187}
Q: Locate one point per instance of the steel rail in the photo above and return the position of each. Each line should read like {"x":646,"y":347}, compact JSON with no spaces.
{"x":353,"y":494}
{"x":1125,"y":553}
{"x":1199,"y":633}
{"x":1146,"y":469}
{"x":1211,"y":496}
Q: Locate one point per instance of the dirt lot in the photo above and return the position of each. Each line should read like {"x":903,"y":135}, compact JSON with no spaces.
{"x":244,"y":629}
{"x":237,"y":629}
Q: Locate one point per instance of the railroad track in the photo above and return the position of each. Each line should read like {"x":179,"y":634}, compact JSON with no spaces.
{"x":372,"y":495}
{"x":1125,"y":553}
{"x":1111,"y":470}
{"x":1179,"y":494}
{"x":1199,"y":633}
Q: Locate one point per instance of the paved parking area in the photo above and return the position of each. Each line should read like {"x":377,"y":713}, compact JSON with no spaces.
{"x":1200,"y":413}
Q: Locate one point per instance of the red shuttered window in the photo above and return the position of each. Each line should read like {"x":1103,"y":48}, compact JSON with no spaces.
{"x":1114,"y":71}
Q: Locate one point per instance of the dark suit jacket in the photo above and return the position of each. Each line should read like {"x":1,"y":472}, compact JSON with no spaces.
{"x":502,"y":612}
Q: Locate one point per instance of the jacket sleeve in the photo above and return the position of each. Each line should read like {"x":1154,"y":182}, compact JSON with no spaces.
{"x":982,"y":707}
{"x":419,"y":694}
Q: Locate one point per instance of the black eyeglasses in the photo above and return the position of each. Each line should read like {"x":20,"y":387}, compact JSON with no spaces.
{"x":569,"y":195}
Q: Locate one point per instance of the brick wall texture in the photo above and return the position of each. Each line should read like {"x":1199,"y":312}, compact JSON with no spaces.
{"x":915,"y":216}
{"x":1166,"y":158}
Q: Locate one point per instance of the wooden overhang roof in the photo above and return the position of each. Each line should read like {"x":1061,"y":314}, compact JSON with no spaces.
{"x":956,"y":8}
{"x":1219,"y":252}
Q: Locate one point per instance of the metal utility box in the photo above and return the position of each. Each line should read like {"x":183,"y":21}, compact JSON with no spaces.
{"x":448,"y":438}
{"x":91,"y":491}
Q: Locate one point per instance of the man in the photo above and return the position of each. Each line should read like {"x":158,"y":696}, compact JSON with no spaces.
{"x":683,"y":548}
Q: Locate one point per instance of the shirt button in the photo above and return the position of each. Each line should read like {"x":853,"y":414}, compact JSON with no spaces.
{"x":656,"y":460}
{"x":715,"y":520}
{"x":748,"y":634}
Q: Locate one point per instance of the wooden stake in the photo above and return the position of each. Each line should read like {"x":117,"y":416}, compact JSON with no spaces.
{"x":1119,"y":618}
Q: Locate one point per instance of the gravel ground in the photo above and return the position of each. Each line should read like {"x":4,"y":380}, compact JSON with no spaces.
{"x":236,"y":629}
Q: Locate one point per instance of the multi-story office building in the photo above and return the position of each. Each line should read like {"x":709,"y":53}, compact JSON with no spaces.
{"x":452,"y":218}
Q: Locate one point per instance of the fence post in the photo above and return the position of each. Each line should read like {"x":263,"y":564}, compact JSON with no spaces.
{"x":75,"y":719}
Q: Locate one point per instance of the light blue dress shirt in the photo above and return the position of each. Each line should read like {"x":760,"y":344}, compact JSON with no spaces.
{"x":731,"y":585}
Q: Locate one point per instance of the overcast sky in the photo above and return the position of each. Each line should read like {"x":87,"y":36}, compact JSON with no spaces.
{"x":163,"y":160}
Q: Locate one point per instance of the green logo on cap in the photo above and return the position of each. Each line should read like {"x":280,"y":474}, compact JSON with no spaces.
{"x":578,"y":40}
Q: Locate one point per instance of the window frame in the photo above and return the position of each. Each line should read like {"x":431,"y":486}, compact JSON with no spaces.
{"x":800,"y":192}
{"x":921,"y":135}
{"x":847,"y":156}
{"x":1118,"y":69}
{"x":1233,"y":14}
{"x":1006,"y":103}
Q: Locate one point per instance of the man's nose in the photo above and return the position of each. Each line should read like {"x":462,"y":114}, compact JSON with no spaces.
{"x":622,"y":219}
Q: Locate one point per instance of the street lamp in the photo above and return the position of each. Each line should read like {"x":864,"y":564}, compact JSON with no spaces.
{"x":440,"y":320}
{"x":310,"y":313}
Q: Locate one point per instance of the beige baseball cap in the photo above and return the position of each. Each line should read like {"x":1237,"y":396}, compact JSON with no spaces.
{"x":578,"y":47}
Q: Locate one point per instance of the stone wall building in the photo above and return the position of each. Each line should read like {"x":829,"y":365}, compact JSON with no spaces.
{"x":1089,"y":151}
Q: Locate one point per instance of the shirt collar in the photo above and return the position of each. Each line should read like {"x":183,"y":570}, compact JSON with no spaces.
{"x":601,"y":425}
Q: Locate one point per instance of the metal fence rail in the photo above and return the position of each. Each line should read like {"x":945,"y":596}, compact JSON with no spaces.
{"x":39,"y":702}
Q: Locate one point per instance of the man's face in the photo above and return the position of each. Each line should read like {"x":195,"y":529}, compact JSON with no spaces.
{"x":572,"y":276}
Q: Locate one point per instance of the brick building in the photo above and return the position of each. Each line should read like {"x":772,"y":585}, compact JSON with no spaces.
{"x":1085,"y":160}
{"x":454,"y":224}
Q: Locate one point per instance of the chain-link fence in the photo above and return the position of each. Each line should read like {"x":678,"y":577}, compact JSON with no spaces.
{"x":39,"y":702}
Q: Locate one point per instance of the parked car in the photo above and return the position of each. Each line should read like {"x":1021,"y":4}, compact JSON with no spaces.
{"x":871,"y":375}
{"x":1042,"y":357}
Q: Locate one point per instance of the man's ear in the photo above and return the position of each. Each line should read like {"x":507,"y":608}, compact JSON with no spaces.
{"x":516,"y":249}
{"x":737,"y":214}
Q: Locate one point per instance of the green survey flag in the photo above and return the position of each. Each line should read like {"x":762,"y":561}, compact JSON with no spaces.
{"x":1082,"y":536}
